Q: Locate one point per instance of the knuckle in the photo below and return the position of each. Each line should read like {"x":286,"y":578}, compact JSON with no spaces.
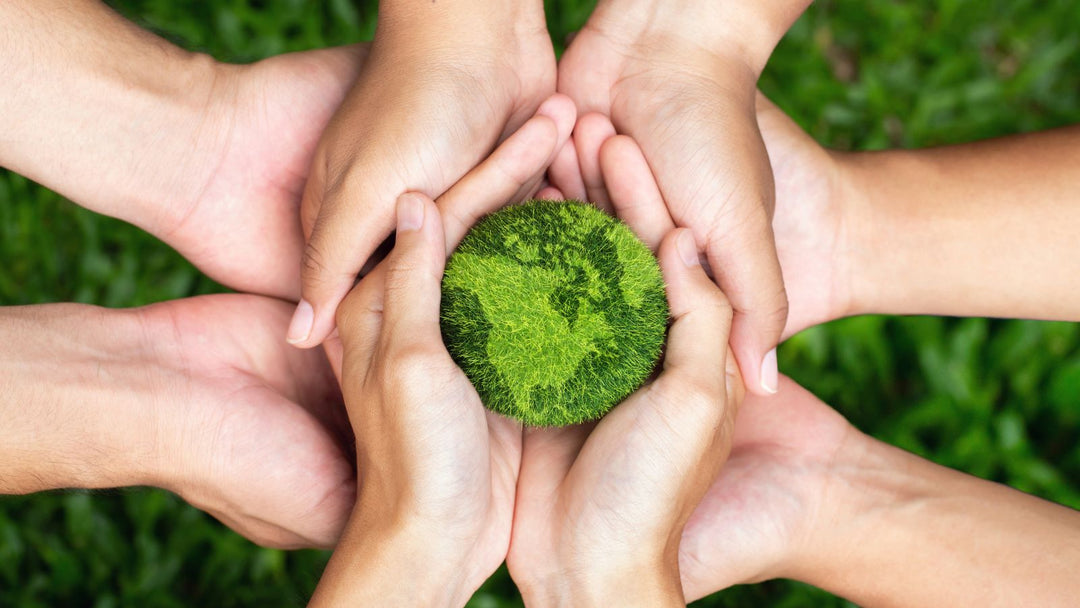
{"x":702,"y":397}
{"x":313,"y":265}
{"x":408,"y":364}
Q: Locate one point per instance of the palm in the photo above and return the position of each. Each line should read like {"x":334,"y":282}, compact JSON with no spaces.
{"x":261,"y":423}
{"x":766,"y":496}
{"x":807,"y":222}
{"x":607,"y":483}
{"x":469,"y":456}
{"x":244,"y":228}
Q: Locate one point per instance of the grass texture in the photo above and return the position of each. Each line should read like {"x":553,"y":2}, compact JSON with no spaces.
{"x":555,"y":310}
{"x":997,"y":399}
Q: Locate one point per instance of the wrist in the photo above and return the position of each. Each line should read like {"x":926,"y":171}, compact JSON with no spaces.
{"x":476,"y":20}
{"x":591,"y":578}
{"x":881,"y":234}
{"x":376,"y":562}
{"x":742,"y":32}
{"x":80,"y":411}
{"x":872,"y":481}
{"x":648,"y":587}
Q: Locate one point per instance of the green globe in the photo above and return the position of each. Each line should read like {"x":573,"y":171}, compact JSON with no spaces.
{"x":555,"y":311}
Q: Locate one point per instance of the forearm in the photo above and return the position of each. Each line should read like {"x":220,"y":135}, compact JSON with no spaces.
{"x":983,"y":229}
{"x":101,"y":111}
{"x":912,"y":533}
{"x":72,"y":400}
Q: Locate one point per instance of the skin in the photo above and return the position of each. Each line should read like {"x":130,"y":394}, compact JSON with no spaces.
{"x":679,"y":78}
{"x":445,"y":82}
{"x":447,"y":498}
{"x":209,"y":157}
{"x":806,"y":496}
{"x":600,"y":509}
{"x":195,"y":396}
{"x":440,"y":470}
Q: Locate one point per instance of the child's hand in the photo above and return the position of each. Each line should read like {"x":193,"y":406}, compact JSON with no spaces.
{"x":438,"y":470}
{"x":812,"y":216}
{"x":600,"y":511}
{"x":444,"y":83}
{"x":772,"y":504}
{"x":679,"y":77}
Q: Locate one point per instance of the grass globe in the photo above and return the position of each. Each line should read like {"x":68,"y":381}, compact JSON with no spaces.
{"x":554,"y":310}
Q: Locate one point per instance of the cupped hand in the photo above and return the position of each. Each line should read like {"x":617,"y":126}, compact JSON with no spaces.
{"x":442,"y":86}
{"x":250,"y":430}
{"x":602,"y":508}
{"x":772,"y":497}
{"x":690,"y":106}
{"x":240,"y":222}
{"x":439,"y":470}
{"x":812,"y":215}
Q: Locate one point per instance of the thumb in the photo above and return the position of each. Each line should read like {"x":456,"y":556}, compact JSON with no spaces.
{"x":413,"y":288}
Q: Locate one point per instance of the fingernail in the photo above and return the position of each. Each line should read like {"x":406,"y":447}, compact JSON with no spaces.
{"x":687,"y":249}
{"x":302,"y":321}
{"x":410,"y":213}
{"x":770,"y":375}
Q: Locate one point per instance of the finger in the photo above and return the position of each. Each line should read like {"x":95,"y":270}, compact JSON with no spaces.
{"x":550,"y":194}
{"x":359,"y":323}
{"x":565,"y":174}
{"x":413,"y":287}
{"x":632,"y":188}
{"x":343,"y":237}
{"x":745,"y":265}
{"x":508,"y":171}
{"x":560,"y":109}
{"x":591,"y":132}
{"x":701,"y":316}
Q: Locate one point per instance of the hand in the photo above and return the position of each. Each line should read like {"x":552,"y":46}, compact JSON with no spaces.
{"x":439,"y":469}
{"x":772,"y":500}
{"x":813,"y":210}
{"x":241,"y":222}
{"x":211,"y":158}
{"x":252,"y":429}
{"x":196,"y":396}
{"x":812,"y":221}
{"x":444,"y":83}
{"x":806,"y":496}
{"x":603,"y":508}
{"x":680,"y":80}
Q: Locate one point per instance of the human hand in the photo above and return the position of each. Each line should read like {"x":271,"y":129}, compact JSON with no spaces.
{"x":240,"y":220}
{"x":773,"y":501}
{"x":813,"y":216}
{"x":209,"y":157}
{"x":603,"y":508}
{"x":439,"y":469}
{"x":257,"y":428}
{"x":196,"y":396}
{"x":443,"y":84}
{"x":680,"y":80}
{"x":808,"y":497}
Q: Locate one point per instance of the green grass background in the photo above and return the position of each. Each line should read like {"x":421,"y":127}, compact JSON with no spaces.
{"x":998,"y":399}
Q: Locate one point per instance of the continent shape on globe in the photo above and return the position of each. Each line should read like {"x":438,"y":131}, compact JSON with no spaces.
{"x":554,"y":310}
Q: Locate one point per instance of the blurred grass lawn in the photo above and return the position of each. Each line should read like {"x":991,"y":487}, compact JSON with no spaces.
{"x":998,"y":399}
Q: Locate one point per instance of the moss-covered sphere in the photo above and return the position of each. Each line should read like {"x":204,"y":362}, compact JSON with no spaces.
{"x":555,"y":311}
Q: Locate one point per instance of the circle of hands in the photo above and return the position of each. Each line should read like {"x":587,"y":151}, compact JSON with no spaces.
{"x":328,"y":151}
